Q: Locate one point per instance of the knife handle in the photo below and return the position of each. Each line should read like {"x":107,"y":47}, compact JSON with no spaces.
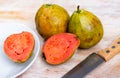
{"x":111,"y":51}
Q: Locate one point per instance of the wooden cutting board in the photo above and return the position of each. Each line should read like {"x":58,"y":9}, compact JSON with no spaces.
{"x":108,"y":11}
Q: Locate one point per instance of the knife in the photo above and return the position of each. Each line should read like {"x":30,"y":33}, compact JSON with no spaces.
{"x":93,"y":60}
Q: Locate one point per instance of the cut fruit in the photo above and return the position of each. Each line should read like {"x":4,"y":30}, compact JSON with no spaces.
{"x":60,"y":47}
{"x":19,"y":47}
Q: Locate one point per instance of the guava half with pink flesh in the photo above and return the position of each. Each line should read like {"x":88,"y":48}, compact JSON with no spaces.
{"x":60,"y":47}
{"x":19,"y":46}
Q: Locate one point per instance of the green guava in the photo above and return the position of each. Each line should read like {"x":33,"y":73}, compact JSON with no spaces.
{"x":87,"y":27}
{"x":51,"y":19}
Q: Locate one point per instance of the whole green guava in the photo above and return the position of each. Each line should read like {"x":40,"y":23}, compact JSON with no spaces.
{"x":87,"y":27}
{"x":51,"y":19}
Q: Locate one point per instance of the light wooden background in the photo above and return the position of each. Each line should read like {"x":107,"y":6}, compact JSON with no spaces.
{"x":108,"y":11}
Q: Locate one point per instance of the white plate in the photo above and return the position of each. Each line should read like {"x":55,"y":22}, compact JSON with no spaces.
{"x":8,"y":68}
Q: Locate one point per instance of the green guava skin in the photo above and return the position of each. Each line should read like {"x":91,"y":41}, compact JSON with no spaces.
{"x":87,"y":27}
{"x":51,"y":19}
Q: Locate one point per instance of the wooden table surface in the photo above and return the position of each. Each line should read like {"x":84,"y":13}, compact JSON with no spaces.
{"x":108,"y":11}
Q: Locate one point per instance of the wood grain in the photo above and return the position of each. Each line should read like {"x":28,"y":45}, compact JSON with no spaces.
{"x":109,"y":52}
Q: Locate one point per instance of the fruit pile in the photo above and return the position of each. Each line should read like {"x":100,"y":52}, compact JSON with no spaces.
{"x":64,"y":34}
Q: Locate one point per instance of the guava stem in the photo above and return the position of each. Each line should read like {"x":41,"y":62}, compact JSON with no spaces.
{"x":78,"y":8}
{"x":48,"y":5}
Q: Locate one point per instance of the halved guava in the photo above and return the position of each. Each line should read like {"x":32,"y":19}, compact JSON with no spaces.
{"x":19,"y":46}
{"x":60,"y":47}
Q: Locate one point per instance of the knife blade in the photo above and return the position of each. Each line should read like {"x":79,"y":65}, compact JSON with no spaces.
{"x":94,"y":60}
